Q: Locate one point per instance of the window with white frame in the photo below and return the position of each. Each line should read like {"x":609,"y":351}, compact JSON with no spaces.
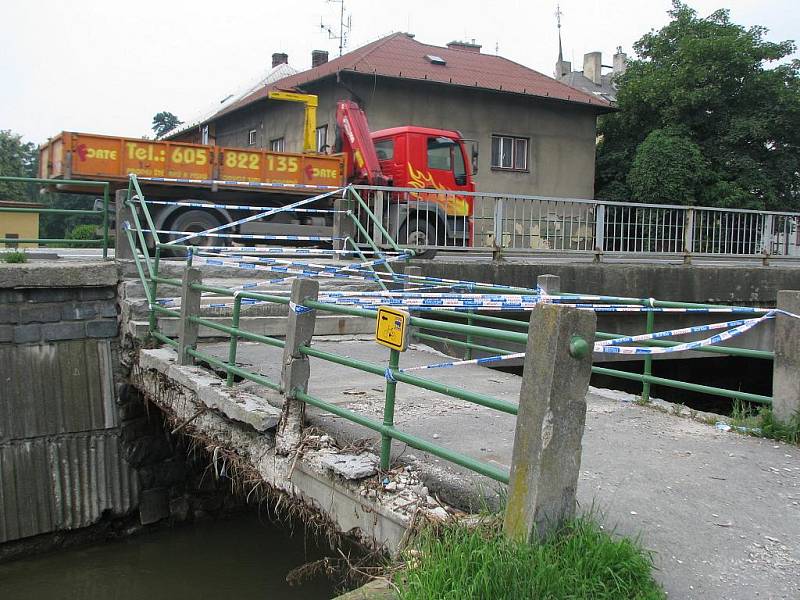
{"x":251,"y":137}
{"x":322,"y":138}
{"x":277,"y":145}
{"x":204,"y":135}
{"x":510,"y":153}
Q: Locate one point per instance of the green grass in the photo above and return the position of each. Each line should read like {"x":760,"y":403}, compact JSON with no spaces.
{"x":761,"y":423}
{"x":455,"y":562}
{"x":15,"y":257}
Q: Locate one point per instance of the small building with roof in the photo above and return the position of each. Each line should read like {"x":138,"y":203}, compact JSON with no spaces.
{"x":19,"y":225}
{"x":536,"y":134}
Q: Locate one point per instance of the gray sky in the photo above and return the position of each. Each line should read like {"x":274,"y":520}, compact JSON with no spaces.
{"x":105,"y":66}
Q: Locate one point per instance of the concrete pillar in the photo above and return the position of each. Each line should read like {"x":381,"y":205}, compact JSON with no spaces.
{"x":786,"y":366}
{"x":552,"y":411}
{"x":549,"y":284}
{"x":296,"y":369}
{"x":122,"y":249}
{"x":190,"y":305}
{"x":343,"y":225}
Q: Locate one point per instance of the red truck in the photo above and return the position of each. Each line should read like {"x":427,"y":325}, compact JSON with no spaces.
{"x":406,"y":157}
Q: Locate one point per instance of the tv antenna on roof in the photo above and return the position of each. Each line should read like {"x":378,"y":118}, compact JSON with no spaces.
{"x":344,"y":27}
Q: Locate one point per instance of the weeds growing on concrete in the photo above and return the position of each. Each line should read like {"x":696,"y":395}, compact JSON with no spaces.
{"x":761,"y":423}
{"x":454,"y":561}
{"x":15,"y":257}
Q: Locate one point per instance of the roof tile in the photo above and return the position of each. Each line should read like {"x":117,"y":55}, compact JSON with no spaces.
{"x":399,"y":55}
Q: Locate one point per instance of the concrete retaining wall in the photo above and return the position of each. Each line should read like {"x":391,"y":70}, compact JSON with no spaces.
{"x":747,"y":285}
{"x":61,"y":457}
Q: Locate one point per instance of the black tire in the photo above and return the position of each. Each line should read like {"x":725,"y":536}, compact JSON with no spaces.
{"x":194,"y":221}
{"x":418,"y":232}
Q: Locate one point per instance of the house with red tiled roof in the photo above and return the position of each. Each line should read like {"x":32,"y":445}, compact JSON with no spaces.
{"x":536,"y":135}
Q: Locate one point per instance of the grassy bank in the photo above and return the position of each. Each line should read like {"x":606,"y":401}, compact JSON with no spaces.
{"x":451,"y":561}
{"x":760,"y":422}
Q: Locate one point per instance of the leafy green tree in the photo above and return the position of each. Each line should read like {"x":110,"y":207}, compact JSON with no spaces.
{"x":164,"y":122}
{"x":21,"y":159}
{"x":667,"y":168}
{"x":728,"y":126}
{"x":17,"y":159}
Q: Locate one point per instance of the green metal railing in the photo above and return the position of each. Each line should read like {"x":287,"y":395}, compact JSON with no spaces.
{"x":103,"y":242}
{"x":490,"y":336}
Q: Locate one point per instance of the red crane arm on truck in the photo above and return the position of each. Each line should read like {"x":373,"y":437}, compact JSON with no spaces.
{"x":357,"y":143}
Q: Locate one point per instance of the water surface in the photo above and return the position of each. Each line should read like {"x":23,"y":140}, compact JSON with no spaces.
{"x":240,"y":557}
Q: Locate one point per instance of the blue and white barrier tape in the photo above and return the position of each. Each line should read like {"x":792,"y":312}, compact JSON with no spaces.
{"x":299,"y":308}
{"x":475,"y":361}
{"x":261,"y":215}
{"x":247,"y":236}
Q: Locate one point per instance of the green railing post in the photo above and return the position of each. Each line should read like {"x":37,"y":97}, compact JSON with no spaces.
{"x":153,"y":320}
{"x":468,"y":353}
{"x":105,"y":221}
{"x":648,"y":359}
{"x":237,"y":309}
{"x":388,"y":411}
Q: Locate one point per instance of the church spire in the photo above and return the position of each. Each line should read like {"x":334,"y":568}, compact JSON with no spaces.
{"x":562,"y":67}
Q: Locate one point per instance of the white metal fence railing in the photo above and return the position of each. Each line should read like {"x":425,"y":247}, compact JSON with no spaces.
{"x":439,"y":219}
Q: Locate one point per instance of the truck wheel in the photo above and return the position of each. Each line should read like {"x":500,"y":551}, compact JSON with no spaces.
{"x":418,"y":233}
{"x":198,"y":220}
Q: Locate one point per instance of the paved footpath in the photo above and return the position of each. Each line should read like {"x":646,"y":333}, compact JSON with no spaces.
{"x":720,"y":511}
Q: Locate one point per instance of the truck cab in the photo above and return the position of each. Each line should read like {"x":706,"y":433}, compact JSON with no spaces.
{"x":426,"y":158}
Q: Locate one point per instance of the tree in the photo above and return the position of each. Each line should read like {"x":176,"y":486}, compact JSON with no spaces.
{"x":17,"y":159}
{"x":164,"y":122}
{"x":21,"y":159}
{"x":702,"y":117}
{"x":667,"y":168}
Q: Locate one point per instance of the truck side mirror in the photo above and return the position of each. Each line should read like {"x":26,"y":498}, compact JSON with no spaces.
{"x":474,"y":152}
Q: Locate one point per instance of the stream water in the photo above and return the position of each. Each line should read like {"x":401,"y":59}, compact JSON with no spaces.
{"x":239,"y":557}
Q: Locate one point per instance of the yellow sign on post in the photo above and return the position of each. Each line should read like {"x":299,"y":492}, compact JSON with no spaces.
{"x":391,"y":328}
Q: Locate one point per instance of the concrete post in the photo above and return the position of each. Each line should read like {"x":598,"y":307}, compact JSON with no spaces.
{"x":190,"y":305}
{"x":552,"y":411}
{"x":549,"y":284}
{"x":296,"y":369}
{"x":122,"y":249}
{"x":343,"y":225}
{"x":786,"y":366}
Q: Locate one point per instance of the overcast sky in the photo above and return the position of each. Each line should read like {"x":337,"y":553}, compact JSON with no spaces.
{"x":105,"y":66}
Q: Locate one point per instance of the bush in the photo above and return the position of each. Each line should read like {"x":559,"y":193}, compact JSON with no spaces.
{"x":452,"y":561}
{"x":83,"y":232}
{"x":15,"y":257}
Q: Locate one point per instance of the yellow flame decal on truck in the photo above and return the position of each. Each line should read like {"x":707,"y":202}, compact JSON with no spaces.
{"x":453,"y":205}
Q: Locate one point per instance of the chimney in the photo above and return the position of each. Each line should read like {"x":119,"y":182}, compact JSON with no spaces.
{"x":279,"y":58}
{"x":620,"y":61}
{"x":318,"y":57}
{"x":592,"y":67}
{"x":467,"y":46}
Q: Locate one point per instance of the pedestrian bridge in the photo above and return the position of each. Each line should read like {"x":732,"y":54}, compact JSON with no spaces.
{"x":269,"y":358}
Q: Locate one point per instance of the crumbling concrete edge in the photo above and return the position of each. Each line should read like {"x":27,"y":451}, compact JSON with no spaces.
{"x":184,"y":391}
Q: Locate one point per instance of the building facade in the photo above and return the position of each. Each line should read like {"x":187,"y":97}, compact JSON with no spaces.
{"x":536,"y":136}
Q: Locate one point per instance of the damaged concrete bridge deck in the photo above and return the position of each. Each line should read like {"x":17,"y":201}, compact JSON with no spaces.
{"x":719,"y":510}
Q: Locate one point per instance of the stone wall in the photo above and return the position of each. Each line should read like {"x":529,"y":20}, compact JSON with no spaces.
{"x":62,"y":465}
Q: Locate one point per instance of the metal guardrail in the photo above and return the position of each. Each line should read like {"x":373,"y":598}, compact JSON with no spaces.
{"x":518,"y":223}
{"x":449,"y":326}
{"x":103,"y":242}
